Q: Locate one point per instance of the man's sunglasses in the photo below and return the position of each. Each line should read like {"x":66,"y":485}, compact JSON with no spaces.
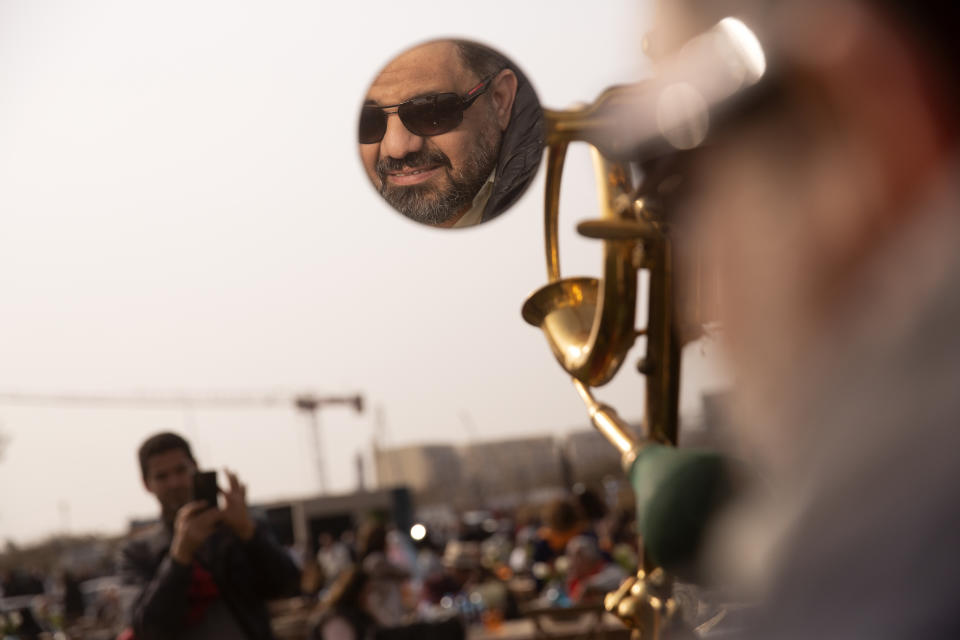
{"x":424,"y":116}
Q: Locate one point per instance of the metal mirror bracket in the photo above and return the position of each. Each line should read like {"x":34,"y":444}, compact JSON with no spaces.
{"x":590,"y":324}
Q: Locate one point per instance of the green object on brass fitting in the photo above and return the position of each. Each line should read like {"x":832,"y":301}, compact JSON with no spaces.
{"x":677,"y":491}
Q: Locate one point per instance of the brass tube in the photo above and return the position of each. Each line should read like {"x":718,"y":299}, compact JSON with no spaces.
{"x":663,"y":349}
{"x":610,"y":425}
{"x":556,"y":154}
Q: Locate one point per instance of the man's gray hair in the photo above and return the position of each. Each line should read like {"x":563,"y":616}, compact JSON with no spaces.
{"x":482,"y":60}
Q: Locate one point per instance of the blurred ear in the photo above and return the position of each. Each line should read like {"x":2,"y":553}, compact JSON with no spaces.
{"x":883,"y":143}
{"x":879,"y":80}
{"x":503,"y":91}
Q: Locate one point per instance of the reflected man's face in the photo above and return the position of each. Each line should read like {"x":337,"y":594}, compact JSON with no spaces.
{"x":434,"y":179}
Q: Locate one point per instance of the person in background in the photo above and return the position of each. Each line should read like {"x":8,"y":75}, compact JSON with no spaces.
{"x":589,"y":574}
{"x":204,"y":571}
{"x":345,"y":612}
{"x":596,"y":515}
{"x":562,"y":522}
{"x":73,"y":601}
{"x":333,"y":557}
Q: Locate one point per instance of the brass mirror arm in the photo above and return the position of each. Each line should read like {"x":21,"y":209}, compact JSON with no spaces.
{"x":576,"y":124}
{"x":614,"y":324}
{"x":606,"y":122}
{"x":618,"y":230}
{"x":556,"y":154}
{"x":596,"y":122}
{"x":630,"y":241}
{"x":584,"y":125}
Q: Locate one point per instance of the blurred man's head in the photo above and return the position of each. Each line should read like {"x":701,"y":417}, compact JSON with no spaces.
{"x":425,"y":161}
{"x":167,"y":467}
{"x":562,"y":515}
{"x":797,"y":202}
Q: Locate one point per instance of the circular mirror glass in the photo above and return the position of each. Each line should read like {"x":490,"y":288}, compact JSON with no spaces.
{"x":450,"y":133}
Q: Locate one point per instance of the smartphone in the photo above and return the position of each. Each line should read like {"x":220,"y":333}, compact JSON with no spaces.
{"x":205,"y":487}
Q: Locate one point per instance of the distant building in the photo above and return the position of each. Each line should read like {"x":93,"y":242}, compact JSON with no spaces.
{"x":85,"y":555}
{"x":498,"y":473}
{"x":510,"y":470}
{"x":299,"y":522}
{"x":590,"y":456}
{"x":426,"y":468}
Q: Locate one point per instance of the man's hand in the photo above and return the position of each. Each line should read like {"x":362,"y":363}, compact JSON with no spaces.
{"x":194,"y":524}
{"x":235,"y":512}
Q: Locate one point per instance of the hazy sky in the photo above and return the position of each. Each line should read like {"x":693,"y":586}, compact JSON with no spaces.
{"x":182,"y":209}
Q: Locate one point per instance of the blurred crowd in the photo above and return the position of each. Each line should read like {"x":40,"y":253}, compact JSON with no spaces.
{"x":437,"y":579}
{"x":483,"y":569}
{"x":37,"y":604}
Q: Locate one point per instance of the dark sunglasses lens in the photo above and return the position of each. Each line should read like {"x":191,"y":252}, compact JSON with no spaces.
{"x":432,"y":115}
{"x":373,"y":124}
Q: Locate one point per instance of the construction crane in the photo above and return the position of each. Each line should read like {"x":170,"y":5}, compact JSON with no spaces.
{"x":309,"y":404}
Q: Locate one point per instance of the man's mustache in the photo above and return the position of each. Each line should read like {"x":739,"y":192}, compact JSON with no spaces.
{"x":413,"y":160}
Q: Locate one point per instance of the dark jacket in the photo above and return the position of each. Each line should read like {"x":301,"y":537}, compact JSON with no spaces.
{"x":520,"y":150}
{"x":247,"y":574}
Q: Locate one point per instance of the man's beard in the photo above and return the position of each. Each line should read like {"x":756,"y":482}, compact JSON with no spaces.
{"x":432,"y":204}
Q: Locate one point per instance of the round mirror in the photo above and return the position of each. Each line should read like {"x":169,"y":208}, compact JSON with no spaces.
{"x":451,"y":133}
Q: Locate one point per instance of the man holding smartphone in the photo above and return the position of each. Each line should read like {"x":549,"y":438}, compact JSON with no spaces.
{"x":207,"y":570}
